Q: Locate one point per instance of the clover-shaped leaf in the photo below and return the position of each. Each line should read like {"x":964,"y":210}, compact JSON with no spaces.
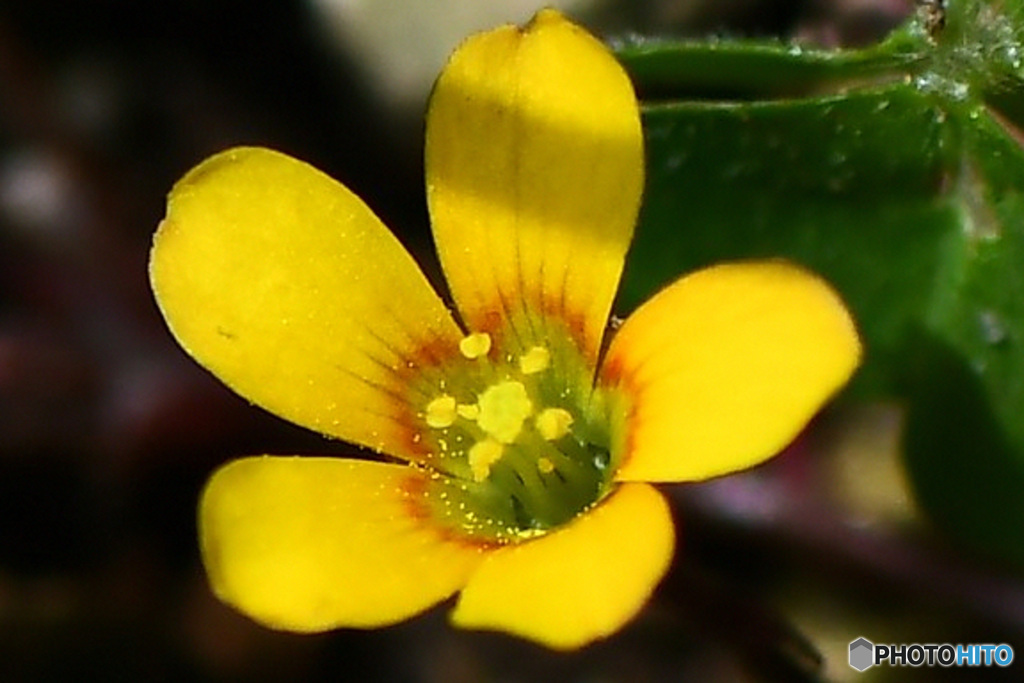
{"x":897,"y":171}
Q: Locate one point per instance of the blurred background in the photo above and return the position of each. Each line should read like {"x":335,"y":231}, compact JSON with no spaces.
{"x":108,"y":431}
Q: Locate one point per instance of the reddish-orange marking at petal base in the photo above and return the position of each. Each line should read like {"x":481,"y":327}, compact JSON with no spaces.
{"x":430,"y":356}
{"x":532,"y":309}
{"x":433,"y":353}
{"x":490,"y":321}
{"x":575,"y":324}
{"x":415,"y":490}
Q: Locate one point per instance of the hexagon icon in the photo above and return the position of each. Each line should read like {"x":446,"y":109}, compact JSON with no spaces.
{"x":862,"y":654}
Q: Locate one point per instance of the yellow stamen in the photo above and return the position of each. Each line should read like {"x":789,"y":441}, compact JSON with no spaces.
{"x":482,"y":455}
{"x":468,"y":411}
{"x":475,"y":345}
{"x":535,"y":360}
{"x":553,"y":423}
{"x":545,"y":466}
{"x":503,"y":409}
{"x":441,"y":412}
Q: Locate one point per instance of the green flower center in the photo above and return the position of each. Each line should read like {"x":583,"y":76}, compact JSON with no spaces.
{"x":515,"y":433}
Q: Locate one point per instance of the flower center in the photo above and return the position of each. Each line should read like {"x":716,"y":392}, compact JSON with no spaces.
{"x":516,"y":435}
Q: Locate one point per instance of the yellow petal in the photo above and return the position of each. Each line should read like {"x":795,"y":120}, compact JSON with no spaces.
{"x":286,"y":286}
{"x":722,"y":369}
{"x":534,"y":165}
{"x":309,"y":544}
{"x":577,"y":584}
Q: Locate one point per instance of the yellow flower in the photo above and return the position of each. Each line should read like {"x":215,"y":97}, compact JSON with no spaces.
{"x":522,"y":443}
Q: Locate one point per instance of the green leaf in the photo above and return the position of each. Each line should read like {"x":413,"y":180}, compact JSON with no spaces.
{"x":817,"y":180}
{"x":665,"y":70}
{"x":965,"y":442}
{"x":897,"y":173}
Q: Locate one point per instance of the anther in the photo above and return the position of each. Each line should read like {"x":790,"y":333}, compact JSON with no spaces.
{"x":482,"y":455}
{"x":535,"y":360}
{"x":553,"y":423}
{"x":475,"y":345}
{"x":441,"y":412}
